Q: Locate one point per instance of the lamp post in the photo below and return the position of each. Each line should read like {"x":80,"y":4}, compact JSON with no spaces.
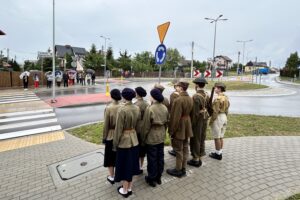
{"x":215,"y":35}
{"x":244,"y":45}
{"x":105,"y":38}
{"x":53,"y":100}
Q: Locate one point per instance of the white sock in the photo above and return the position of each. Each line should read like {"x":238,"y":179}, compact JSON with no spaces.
{"x":111,"y":178}
{"x":218,"y":152}
{"x":221,"y":151}
{"x":129,"y":190}
{"x":121,"y":190}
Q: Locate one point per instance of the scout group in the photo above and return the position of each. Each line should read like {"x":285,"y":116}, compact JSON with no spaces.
{"x":134,"y":130}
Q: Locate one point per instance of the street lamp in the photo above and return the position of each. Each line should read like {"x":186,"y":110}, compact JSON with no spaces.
{"x":105,"y":38}
{"x":53,"y":100}
{"x":215,"y":21}
{"x":244,"y":44}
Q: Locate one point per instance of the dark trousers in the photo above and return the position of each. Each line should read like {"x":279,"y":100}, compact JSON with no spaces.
{"x":49,"y":84}
{"x":197,"y":142}
{"x":25,"y":84}
{"x":155,"y":159}
{"x":66,"y":83}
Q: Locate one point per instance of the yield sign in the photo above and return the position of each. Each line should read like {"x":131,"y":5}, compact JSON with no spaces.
{"x":197,"y":73}
{"x":219,"y":74}
{"x":162,"y":31}
{"x":207,"y":73}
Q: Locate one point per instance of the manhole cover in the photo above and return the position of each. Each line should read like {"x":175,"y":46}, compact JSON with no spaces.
{"x":77,"y":166}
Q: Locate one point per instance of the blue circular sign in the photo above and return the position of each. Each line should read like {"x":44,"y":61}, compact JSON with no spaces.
{"x":160,"y":54}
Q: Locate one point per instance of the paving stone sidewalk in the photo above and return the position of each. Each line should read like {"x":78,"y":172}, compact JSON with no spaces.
{"x":252,"y":168}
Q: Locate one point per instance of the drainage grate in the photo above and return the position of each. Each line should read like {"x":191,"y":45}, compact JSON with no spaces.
{"x":69,"y":169}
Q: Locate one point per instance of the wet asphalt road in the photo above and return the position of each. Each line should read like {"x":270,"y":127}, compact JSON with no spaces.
{"x":279,"y":105}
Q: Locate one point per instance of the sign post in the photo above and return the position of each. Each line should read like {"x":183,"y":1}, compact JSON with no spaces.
{"x":161,"y":50}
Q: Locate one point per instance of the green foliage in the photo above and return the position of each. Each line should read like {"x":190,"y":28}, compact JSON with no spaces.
{"x":110,"y":61}
{"x":172,"y":59}
{"x":93,"y":60}
{"x":15,"y":65}
{"x":200,"y":65}
{"x":234,"y":67}
{"x":124,"y":61}
{"x":30,"y":65}
{"x":143,"y":61}
{"x":292,"y":62}
{"x":69,"y":60}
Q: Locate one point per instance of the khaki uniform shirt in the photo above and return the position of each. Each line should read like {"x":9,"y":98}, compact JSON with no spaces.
{"x":200,"y":104}
{"x":142,"y":104}
{"x":155,"y":124}
{"x":125,"y":132}
{"x":110,"y":117}
{"x":173,"y":96}
{"x":220,"y":105}
{"x":180,"y":121}
{"x":166,"y":103}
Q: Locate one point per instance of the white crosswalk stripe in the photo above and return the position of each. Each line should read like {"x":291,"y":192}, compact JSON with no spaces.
{"x":18,"y":97}
{"x":17,"y":124}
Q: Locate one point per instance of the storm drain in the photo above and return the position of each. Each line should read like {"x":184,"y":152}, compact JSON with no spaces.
{"x":75,"y":167}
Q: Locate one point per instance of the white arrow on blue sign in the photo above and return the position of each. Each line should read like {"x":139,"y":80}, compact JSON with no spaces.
{"x":160,"y":54}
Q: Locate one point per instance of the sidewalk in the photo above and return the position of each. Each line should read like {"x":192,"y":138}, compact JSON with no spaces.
{"x":252,"y":168}
{"x":79,"y":100}
{"x":277,"y":79}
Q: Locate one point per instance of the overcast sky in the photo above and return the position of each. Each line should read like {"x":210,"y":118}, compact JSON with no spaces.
{"x":274,"y":26}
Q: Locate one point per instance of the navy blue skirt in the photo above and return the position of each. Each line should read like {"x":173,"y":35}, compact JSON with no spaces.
{"x":109,"y":154}
{"x":127,"y":164}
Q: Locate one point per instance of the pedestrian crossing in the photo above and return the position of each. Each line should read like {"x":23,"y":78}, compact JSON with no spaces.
{"x":18,"y":97}
{"x":29,"y":122}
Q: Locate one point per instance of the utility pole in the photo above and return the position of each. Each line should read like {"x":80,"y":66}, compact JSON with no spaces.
{"x":238,"y":64}
{"x":53,"y":56}
{"x":215,"y":35}
{"x":105,"y":53}
{"x":7,"y":50}
{"x":244,"y":46}
{"x":192,"y":61}
{"x":256,"y":70}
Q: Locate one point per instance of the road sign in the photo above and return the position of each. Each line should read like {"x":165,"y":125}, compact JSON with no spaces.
{"x":44,"y":55}
{"x":197,"y":73}
{"x":162,"y":31}
{"x":219,"y":74}
{"x":207,"y":73}
{"x":160,"y":54}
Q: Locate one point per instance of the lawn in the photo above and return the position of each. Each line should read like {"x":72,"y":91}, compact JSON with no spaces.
{"x":289,"y":79}
{"x":234,"y":85}
{"x":294,"y":197}
{"x":238,"y":126}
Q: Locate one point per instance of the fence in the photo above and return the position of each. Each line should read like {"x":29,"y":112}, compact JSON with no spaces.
{"x":12,"y":79}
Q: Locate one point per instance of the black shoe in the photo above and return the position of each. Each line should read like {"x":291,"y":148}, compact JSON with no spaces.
{"x":175,"y":172}
{"x":172,"y":152}
{"x":150,"y":182}
{"x":158,"y":181}
{"x":140,"y":172}
{"x":129,"y":192}
{"x":124,"y":195}
{"x":110,"y":181}
{"x":215,"y":156}
{"x":194,"y":163}
{"x":183,"y":172}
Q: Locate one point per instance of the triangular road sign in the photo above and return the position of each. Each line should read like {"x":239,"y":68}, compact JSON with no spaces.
{"x":162,"y":31}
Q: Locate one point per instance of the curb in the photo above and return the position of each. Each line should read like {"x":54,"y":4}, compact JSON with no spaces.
{"x":83,"y":104}
{"x":286,"y":83}
{"x":89,"y":123}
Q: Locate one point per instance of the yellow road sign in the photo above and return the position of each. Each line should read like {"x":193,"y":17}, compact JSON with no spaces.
{"x":162,"y":31}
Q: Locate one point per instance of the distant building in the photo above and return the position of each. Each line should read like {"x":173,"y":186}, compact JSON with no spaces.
{"x":61,"y":51}
{"x":250,"y":66}
{"x":223,"y":62}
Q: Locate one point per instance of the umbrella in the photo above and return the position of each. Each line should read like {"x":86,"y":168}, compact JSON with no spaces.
{"x":58,"y":73}
{"x":24,"y":73}
{"x":72,"y":74}
{"x":48,"y":73}
{"x":90,"y":71}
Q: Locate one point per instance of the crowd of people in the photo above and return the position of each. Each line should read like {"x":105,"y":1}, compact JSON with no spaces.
{"x":133,"y":131}
{"x":81,"y":79}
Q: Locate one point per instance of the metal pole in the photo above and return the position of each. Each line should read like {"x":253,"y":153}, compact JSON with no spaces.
{"x":7,"y":54}
{"x":256,"y":70}
{"x":238,"y":64}
{"x":214,"y":51}
{"x":192,"y":62}
{"x":104,"y":57}
{"x":53,"y":57}
{"x":159,"y":74}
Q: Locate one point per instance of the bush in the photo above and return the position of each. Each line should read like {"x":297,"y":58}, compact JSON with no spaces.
{"x":289,"y":73}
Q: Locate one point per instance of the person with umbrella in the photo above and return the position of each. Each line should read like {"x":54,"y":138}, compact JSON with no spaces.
{"x":66,"y":79}
{"x":25,"y":77}
{"x":36,"y":81}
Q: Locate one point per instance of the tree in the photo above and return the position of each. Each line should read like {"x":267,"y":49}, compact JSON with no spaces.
{"x":124,"y":61}
{"x":15,"y":66}
{"x":143,"y":61}
{"x":29,"y":65}
{"x":93,"y":60}
{"x":172,"y":59}
{"x":110,"y":61}
{"x":292,"y":62}
{"x":69,"y":61}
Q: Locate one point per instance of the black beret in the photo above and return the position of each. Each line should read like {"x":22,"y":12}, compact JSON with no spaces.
{"x":141,"y":91}
{"x":200,"y":80}
{"x":157,"y":95}
{"x":128,"y":94}
{"x":115,"y":94}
